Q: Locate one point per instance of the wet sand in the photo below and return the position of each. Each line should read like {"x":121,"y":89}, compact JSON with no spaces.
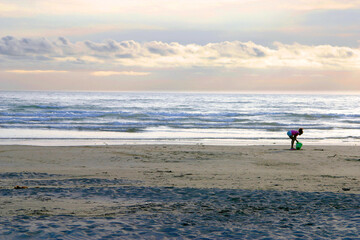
{"x":312,"y":169}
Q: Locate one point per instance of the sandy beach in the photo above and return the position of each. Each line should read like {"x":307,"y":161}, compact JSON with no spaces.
{"x":312,"y":169}
{"x":179,"y":191}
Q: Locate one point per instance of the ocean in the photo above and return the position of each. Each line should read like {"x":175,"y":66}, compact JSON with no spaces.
{"x":98,"y":118}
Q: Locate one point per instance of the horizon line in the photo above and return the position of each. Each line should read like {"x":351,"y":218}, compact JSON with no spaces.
{"x":299,"y":92}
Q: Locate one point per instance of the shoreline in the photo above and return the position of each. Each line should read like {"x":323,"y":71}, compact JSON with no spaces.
{"x":170,"y":136}
{"x":315,"y":168}
{"x":49,"y":142}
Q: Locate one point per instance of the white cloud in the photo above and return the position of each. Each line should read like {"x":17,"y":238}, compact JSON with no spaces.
{"x":155,"y":54}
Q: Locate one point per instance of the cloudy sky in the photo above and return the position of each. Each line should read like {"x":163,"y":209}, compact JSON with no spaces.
{"x":183,"y":45}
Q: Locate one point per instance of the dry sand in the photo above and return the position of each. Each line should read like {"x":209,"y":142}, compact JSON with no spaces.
{"x":312,"y":169}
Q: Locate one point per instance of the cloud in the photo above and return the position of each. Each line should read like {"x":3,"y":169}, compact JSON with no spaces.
{"x":160,"y":55}
{"x":25,"y":46}
{"x":108,"y":46}
{"x":126,"y":73}
{"x":309,"y":5}
{"x":186,"y":21}
{"x":200,"y":8}
{"x":35,"y":71}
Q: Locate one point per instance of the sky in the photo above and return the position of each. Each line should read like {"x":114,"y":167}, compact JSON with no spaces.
{"x":180,"y":45}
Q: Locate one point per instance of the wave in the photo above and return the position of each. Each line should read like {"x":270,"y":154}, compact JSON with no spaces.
{"x":36,"y":107}
{"x":134,"y":112}
{"x":117,"y":126}
{"x":131,"y":114}
{"x":140,"y":116}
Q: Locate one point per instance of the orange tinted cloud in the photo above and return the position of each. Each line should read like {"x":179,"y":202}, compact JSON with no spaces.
{"x":126,"y":73}
{"x":34,"y":71}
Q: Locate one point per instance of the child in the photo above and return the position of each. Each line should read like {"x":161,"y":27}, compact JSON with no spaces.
{"x":293,"y":135}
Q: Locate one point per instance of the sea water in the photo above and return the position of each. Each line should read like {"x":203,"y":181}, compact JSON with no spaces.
{"x":90,"y":118}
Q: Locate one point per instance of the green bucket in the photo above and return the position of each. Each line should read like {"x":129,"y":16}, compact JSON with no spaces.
{"x":298,"y":145}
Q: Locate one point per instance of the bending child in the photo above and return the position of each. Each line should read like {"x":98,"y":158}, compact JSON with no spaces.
{"x":293,"y":135}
